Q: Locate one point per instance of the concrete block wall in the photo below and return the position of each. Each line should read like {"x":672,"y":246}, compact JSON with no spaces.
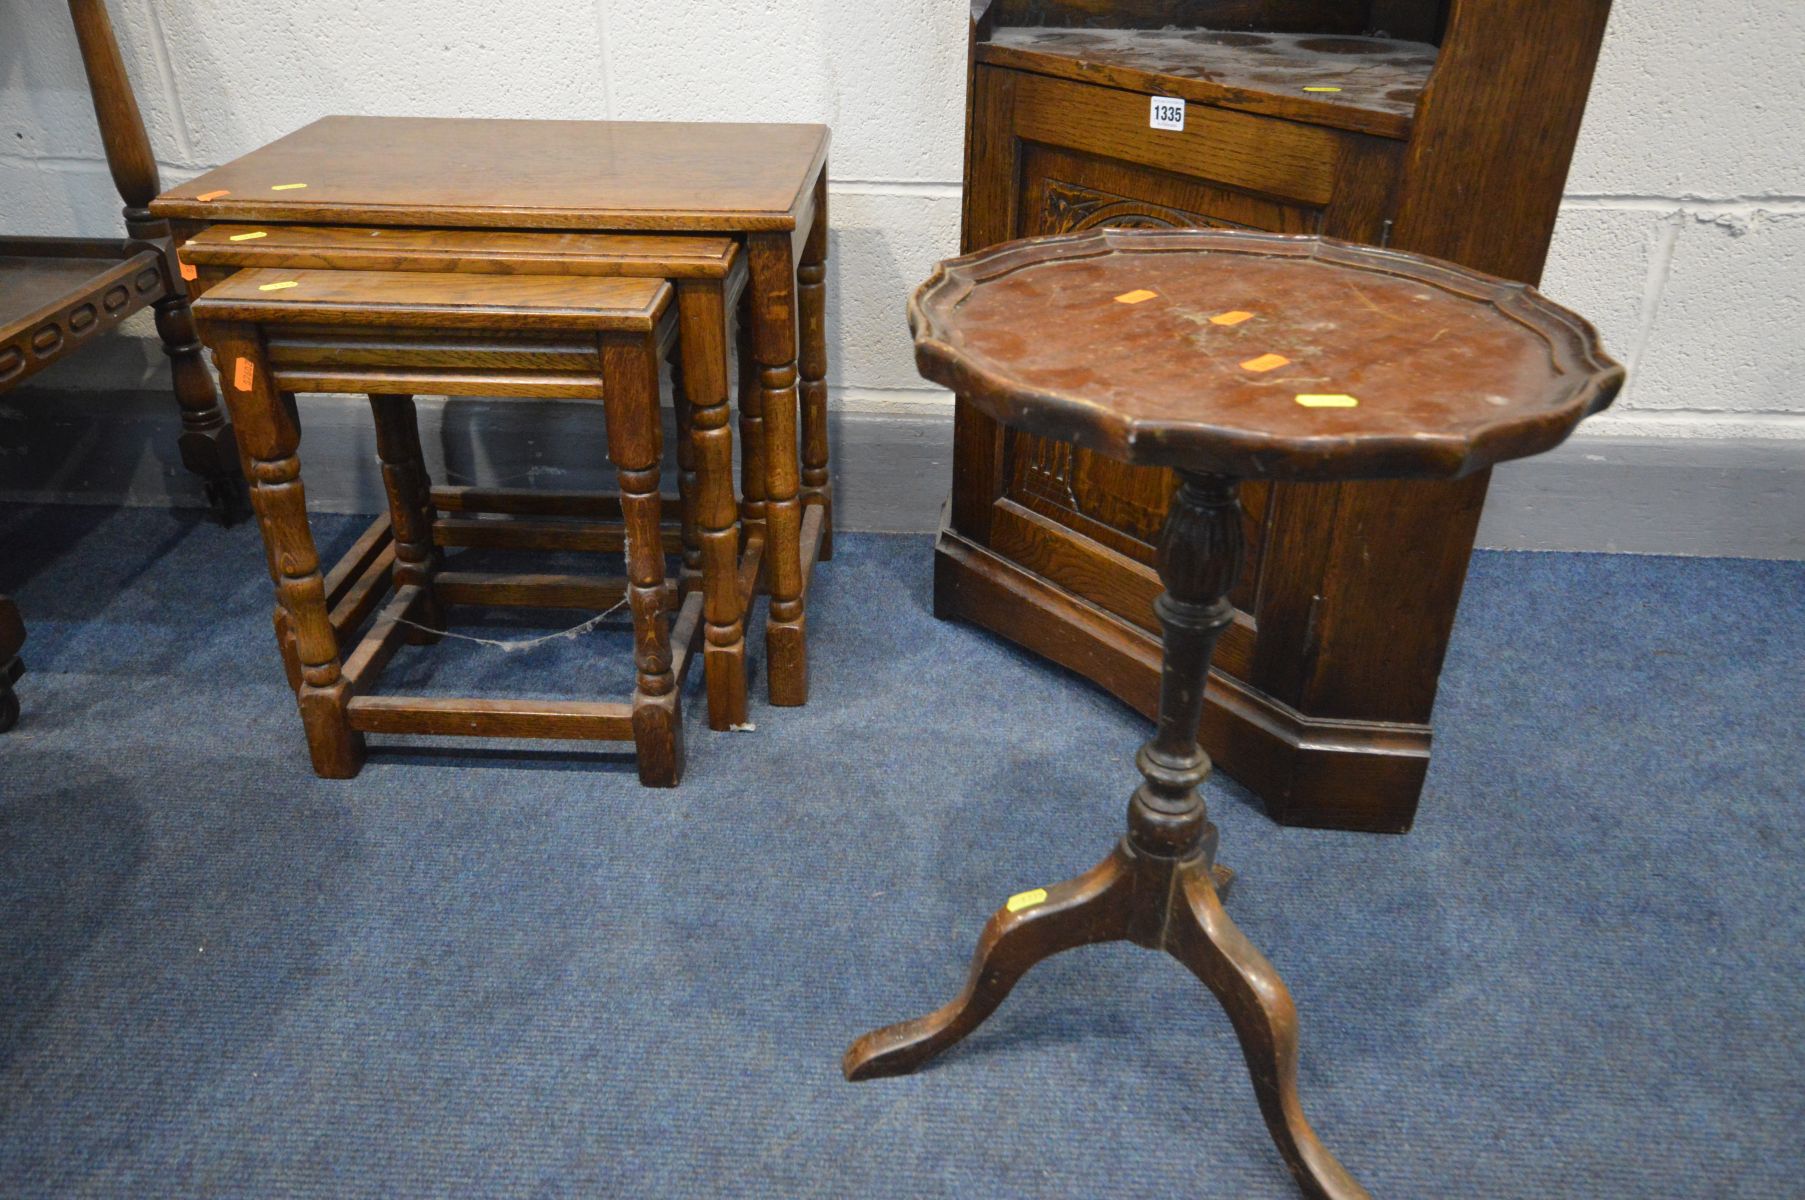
{"x":1683,"y":231}
{"x":216,"y":78}
{"x":1683,"y":235}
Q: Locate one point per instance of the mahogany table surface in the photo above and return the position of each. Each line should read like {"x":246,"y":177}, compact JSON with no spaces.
{"x":1260,"y":356}
{"x":523,"y":174}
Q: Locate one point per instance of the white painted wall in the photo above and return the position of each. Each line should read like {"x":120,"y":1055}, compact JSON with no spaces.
{"x":1683,"y":235}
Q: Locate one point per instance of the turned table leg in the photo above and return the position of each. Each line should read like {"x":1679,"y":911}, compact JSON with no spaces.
{"x":811,"y":290}
{"x":773,"y":287}
{"x":411,"y":512}
{"x":270,"y":436}
{"x":687,"y":479}
{"x":1158,"y":888}
{"x":752,"y":422}
{"x":284,"y":624}
{"x":635,"y":443}
{"x":703,"y":347}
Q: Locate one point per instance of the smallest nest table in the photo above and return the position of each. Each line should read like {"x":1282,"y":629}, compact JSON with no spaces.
{"x":1226,"y":356}
{"x":391,"y":334}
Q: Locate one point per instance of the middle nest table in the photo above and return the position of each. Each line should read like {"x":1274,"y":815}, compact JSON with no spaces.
{"x":398,"y":312}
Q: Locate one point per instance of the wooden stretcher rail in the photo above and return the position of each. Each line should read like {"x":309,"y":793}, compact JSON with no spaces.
{"x":507,"y":534}
{"x":686,"y":632}
{"x":813,"y":523}
{"x":432,"y":716}
{"x":356,"y":561}
{"x":751,"y":560}
{"x":533,"y":591}
{"x":572,"y":720}
{"x":600,"y":506}
{"x":364,"y":594}
{"x":385,"y":637}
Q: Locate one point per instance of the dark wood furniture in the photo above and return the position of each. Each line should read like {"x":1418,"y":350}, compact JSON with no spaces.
{"x":709,"y":275}
{"x":764,"y":185}
{"x":277,"y":332}
{"x":1225,"y":357}
{"x":12,"y":640}
{"x":1438,"y":126}
{"x":58,"y":294}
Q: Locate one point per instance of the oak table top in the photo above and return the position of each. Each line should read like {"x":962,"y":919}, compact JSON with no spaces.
{"x":1260,"y":356}
{"x":475,"y":251}
{"x":473,"y":172}
{"x":526,"y":303}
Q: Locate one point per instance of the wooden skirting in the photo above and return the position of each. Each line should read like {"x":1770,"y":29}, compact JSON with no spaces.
{"x":1738,"y":498}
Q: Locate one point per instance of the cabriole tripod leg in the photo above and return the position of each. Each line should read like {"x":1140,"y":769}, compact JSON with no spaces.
{"x":1159,"y":887}
{"x":1201,"y":936}
{"x":1091,"y":908}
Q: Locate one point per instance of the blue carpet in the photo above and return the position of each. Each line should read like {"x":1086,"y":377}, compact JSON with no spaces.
{"x":522,"y":975}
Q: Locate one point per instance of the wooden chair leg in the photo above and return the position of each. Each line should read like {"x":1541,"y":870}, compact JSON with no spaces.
{"x":635,"y":437}
{"x":811,"y":277}
{"x":411,"y":512}
{"x":703,"y":334}
{"x":206,"y":441}
{"x":270,"y":436}
{"x":774,"y":344}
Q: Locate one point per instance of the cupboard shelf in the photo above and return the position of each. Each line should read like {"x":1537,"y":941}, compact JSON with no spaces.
{"x":1380,"y":80}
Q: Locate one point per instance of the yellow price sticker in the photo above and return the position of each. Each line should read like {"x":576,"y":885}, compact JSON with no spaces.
{"x":1322,"y":89}
{"x":249,"y":237}
{"x":286,"y":187}
{"x":1328,"y":401}
{"x":1136,"y":297}
{"x":1028,"y":899}
{"x":278,"y":287}
{"x":1231,"y":318}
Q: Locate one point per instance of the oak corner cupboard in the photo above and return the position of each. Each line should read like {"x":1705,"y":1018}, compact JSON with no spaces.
{"x":1443,"y":127}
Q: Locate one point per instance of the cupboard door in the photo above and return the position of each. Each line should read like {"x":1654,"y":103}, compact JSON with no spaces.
{"x":1070,"y":156}
{"x":1121,"y":507}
